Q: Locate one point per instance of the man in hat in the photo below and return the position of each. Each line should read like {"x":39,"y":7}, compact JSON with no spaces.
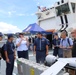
{"x":40,"y":48}
{"x":10,"y":55}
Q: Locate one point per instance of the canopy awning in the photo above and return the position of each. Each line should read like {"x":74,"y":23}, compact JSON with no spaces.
{"x":34,"y":28}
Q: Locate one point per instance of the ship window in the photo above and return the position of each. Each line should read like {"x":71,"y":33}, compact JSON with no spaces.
{"x":62,"y":9}
{"x":73,"y":7}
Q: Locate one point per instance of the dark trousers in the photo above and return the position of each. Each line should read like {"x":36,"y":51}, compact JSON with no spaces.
{"x":56,"y":51}
{"x":10,"y":66}
{"x":60,"y":53}
{"x":73,"y":54}
{"x":23,"y":54}
{"x":40,"y":56}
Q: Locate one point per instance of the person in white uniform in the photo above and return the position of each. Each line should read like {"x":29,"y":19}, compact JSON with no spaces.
{"x":22,"y":46}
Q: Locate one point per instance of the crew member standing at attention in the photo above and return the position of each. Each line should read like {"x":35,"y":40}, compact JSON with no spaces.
{"x":22,"y":46}
{"x":10,"y":55}
{"x":40,"y":48}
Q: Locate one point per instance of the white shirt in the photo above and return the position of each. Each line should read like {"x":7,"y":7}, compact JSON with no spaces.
{"x":23,"y":45}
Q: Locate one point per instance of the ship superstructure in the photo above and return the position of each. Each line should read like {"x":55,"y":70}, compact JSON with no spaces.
{"x":62,"y":16}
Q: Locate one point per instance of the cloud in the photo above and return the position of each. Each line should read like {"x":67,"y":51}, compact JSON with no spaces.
{"x":9,"y":13}
{"x":8,"y":28}
{"x":20,"y":14}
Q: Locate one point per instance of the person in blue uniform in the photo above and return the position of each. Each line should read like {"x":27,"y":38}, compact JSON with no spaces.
{"x":56,"y":44}
{"x":40,"y":48}
{"x":10,"y":55}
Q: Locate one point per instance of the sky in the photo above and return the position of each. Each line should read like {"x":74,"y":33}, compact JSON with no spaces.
{"x":16,"y":15}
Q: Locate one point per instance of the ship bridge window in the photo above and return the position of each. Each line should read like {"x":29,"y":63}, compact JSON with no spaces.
{"x":62,"y":9}
{"x":73,"y":7}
